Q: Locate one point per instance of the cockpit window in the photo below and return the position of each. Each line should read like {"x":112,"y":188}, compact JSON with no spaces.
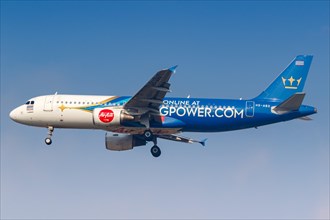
{"x":29,"y":103}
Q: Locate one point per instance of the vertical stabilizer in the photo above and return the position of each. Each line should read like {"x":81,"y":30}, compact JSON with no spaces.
{"x":290,"y":81}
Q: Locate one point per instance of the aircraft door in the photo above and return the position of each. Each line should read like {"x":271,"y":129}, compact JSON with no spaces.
{"x":49,"y":101}
{"x":249,"y":109}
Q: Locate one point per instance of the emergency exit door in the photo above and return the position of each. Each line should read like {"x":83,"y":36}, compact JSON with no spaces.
{"x":249,"y":109}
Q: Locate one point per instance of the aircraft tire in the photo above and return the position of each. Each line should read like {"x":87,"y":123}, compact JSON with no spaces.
{"x":48,"y":141}
{"x":148,"y":135}
{"x":155,"y":151}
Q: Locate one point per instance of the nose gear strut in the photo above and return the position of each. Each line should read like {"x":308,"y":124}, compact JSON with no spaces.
{"x":48,"y":139}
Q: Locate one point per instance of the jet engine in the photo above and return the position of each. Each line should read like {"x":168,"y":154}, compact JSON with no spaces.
{"x":120,"y":142}
{"x":105,"y":117}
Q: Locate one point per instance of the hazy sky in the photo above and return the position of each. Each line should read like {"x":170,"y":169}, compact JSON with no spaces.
{"x":224,"y":49}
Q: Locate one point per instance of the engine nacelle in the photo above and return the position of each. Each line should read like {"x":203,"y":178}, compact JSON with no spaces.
{"x":105,"y":117}
{"x":120,"y":142}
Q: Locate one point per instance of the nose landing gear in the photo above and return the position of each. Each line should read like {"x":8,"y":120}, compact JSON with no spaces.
{"x":48,"y":139}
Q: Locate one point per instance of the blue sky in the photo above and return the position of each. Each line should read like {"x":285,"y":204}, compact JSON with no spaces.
{"x":224,"y":50}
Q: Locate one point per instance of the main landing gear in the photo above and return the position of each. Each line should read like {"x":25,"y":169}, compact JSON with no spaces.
{"x":155,"y":151}
{"x":149,"y":136}
{"x":48,"y":139}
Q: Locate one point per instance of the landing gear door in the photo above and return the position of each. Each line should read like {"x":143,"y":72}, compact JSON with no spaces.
{"x":49,"y":101}
{"x":249,"y":109}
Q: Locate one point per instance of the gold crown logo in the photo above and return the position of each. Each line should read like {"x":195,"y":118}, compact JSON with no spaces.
{"x":292,"y":82}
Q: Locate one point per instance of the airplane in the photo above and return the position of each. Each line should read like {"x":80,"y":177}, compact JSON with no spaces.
{"x":148,"y":115}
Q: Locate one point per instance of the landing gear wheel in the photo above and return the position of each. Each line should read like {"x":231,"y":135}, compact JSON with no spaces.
{"x":48,"y":141}
{"x":148,"y":136}
{"x":155,"y":151}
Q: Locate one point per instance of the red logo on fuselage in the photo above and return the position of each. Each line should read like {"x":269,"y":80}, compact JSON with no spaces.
{"x":106,"y":115}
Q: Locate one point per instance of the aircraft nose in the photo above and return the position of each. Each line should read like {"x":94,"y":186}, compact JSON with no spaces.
{"x":13,"y":114}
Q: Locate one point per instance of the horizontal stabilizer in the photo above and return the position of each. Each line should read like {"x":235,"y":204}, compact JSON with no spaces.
{"x":291,"y":104}
{"x":305,"y":118}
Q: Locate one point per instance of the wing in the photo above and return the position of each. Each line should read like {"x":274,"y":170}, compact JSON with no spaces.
{"x":148,"y":99}
{"x":173,"y":137}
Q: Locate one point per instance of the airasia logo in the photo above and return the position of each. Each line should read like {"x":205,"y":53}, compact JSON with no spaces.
{"x":106,"y":115}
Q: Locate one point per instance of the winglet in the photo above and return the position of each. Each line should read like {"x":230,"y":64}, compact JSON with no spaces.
{"x":172,"y":69}
{"x":203,"y":142}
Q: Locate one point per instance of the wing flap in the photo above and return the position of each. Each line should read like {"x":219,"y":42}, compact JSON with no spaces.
{"x":162,"y":89}
{"x":154,"y":101}
{"x":178,"y":138}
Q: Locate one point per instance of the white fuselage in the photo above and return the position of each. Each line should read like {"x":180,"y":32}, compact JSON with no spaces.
{"x":59,"y":111}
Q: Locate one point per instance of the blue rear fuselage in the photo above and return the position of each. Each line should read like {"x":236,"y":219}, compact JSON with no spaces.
{"x":214,"y":115}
